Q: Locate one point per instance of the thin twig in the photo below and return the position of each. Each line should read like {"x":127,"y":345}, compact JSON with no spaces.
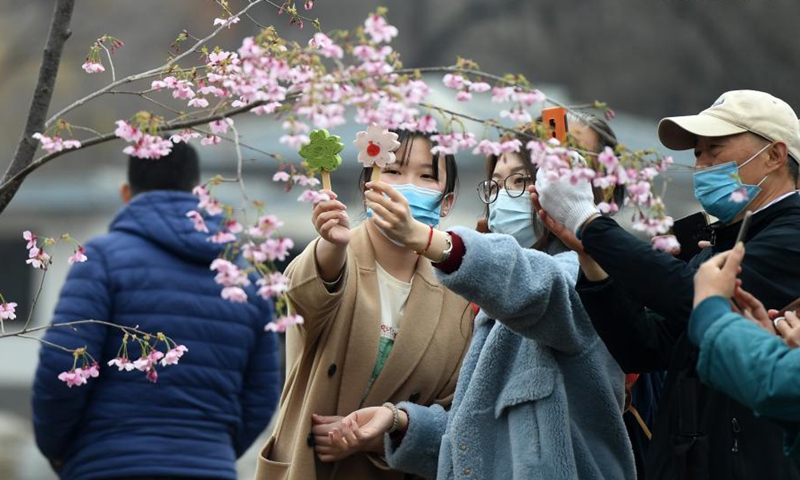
{"x":110,"y":62}
{"x":35,"y":301}
{"x":139,"y":76}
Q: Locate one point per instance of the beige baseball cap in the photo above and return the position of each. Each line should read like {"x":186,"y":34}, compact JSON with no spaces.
{"x":737,"y":111}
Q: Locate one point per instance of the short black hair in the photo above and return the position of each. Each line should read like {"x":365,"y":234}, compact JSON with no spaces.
{"x":180,"y":170}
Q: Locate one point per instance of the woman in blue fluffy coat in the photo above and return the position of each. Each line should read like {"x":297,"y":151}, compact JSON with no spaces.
{"x":538,"y":396}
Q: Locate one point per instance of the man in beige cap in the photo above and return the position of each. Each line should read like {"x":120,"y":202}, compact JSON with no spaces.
{"x":747,"y":146}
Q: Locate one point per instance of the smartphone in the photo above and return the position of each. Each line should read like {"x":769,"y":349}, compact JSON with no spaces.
{"x":688,"y":231}
{"x":555,"y":119}
{"x":792,"y":307}
{"x":744,"y":227}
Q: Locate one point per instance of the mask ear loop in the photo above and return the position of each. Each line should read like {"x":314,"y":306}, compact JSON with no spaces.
{"x":755,"y":155}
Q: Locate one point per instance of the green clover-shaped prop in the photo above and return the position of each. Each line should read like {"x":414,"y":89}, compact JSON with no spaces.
{"x":322,"y":153}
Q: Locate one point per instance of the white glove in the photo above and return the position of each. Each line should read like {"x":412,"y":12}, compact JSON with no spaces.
{"x":567,"y":203}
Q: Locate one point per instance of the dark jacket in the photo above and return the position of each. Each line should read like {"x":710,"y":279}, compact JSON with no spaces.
{"x":152,"y":271}
{"x":699,"y":432}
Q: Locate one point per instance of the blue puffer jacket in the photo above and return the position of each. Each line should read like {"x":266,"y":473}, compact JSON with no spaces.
{"x":152,"y":271}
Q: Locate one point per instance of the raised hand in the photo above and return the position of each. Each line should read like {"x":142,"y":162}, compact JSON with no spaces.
{"x":717,"y":276}
{"x":392,"y":214}
{"x":331,"y":221}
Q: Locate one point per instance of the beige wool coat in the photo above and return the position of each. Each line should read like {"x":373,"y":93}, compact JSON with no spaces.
{"x":331,"y":356}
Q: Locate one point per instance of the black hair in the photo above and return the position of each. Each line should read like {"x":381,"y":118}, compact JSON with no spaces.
{"x":406,"y":139}
{"x":606,"y":138}
{"x":180,"y":170}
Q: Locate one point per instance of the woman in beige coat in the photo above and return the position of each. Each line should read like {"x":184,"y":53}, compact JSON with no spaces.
{"x":378,"y":325}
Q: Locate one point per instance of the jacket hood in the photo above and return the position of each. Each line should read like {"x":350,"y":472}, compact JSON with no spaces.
{"x":160,"y":217}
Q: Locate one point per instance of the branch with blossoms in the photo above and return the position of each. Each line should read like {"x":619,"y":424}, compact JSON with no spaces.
{"x":320,"y":84}
{"x":84,"y":365}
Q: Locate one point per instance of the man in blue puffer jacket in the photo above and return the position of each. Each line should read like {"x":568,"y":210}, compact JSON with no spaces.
{"x":151,"y":271}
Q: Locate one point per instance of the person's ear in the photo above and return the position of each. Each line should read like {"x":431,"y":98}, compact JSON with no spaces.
{"x":777,"y":156}
{"x":447,"y":204}
{"x":125,"y":193}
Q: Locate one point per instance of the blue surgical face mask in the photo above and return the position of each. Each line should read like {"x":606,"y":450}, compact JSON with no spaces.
{"x":425,"y":203}
{"x":713,"y":187}
{"x":513,"y":216}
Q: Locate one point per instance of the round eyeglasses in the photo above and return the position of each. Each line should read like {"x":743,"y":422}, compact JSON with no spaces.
{"x":514,"y":185}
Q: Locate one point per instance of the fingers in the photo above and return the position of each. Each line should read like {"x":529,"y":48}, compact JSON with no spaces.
{"x":734,"y":260}
{"x":703,"y":244}
{"x":382,"y":188}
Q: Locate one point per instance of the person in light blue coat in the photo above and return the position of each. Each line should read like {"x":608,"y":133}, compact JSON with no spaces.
{"x":538,"y":396}
{"x":751,"y":363}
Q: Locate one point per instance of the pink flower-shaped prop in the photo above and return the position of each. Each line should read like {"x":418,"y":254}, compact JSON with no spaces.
{"x":376,"y":148}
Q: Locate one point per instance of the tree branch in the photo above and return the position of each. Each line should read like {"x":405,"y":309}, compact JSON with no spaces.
{"x":42,"y":96}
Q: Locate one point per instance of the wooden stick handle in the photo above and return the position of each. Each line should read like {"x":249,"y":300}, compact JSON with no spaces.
{"x":376,"y":174}
{"x":326,"y":180}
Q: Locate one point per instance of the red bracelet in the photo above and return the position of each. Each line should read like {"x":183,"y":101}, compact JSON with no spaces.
{"x":430,"y":239}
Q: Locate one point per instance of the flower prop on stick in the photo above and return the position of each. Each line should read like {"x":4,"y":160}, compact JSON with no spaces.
{"x":322,"y":153}
{"x":376,"y":148}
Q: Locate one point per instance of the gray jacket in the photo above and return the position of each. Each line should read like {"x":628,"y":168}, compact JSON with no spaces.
{"x":539,"y":396}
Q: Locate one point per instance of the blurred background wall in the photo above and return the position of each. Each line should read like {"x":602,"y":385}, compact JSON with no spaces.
{"x":646,"y":58}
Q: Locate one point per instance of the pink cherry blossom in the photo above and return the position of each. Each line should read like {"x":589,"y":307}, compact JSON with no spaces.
{"x":503,"y":94}
{"x":305,"y":181}
{"x":666,"y":243}
{"x":376,"y":27}
{"x":234,"y":294}
{"x":488,"y":147}
{"x":30,"y":237}
{"x":220,"y":127}
{"x":277,"y":249}
{"x":149,"y":147}
{"x":173,"y":356}
{"x":463,"y":96}
{"x":326,"y":46}
{"x":233,"y":226}
{"x":517,"y":114}
{"x":294,"y":141}
{"x":511,"y":146}
{"x":273,"y":285}
{"x":73,"y":378}
{"x":127,"y":132}
{"x":281,"y":324}
{"x":226,"y":22}
{"x":451,"y":143}
{"x":37,"y":258}
{"x":606,"y":207}
{"x":281,"y":176}
{"x":197,"y":220}
{"x":93,"y":67}
{"x":253,"y":253}
{"x":183,"y":136}
{"x":7,"y":311}
{"x":122,"y":363}
{"x":426,"y":124}
{"x":55,"y":144}
{"x":313,"y":197}
{"x":152,"y":375}
{"x":222,"y":237}
{"x":456,"y":82}
{"x":210,"y":140}
{"x":91,"y":372}
{"x":530,"y":98}
{"x":739,"y":195}
{"x":198,"y":102}
{"x":479,"y":87}
{"x":608,"y":159}
{"x":78,"y":257}
{"x":265,"y":226}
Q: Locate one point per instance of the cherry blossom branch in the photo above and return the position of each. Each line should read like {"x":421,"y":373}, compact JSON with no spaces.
{"x":35,"y":301}
{"x":239,"y":163}
{"x":128,"y":330}
{"x":143,"y":75}
{"x":15,"y":180}
{"x":42,"y":96}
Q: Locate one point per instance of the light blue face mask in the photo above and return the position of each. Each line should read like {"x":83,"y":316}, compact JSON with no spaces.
{"x":713,"y":188}
{"x":425,"y":203}
{"x":512,"y":216}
